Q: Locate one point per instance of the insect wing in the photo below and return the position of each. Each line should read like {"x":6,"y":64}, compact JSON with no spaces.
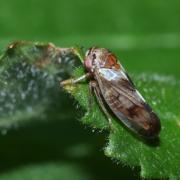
{"x":126,"y":102}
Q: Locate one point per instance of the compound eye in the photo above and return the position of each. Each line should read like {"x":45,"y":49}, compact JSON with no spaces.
{"x":94,"y":56}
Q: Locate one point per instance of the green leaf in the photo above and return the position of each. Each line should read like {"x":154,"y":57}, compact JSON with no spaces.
{"x":29,"y":90}
{"x":160,"y":160}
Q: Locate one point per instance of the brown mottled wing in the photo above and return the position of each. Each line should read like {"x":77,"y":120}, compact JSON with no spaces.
{"x":126,"y":102}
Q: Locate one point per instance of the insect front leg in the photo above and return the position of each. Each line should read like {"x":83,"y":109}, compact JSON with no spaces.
{"x":95,"y":87}
{"x":72,"y":81}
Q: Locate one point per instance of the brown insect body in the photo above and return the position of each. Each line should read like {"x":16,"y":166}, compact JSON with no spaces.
{"x":119,"y":93}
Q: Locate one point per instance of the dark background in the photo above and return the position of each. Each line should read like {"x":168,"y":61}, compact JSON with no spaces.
{"x":144,"y":34}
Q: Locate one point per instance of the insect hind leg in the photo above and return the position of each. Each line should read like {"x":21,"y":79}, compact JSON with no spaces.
{"x":94,"y":86}
{"x":90,"y":98}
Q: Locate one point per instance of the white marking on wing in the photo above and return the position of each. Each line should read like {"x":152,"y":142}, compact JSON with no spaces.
{"x":125,"y":102}
{"x":111,"y":74}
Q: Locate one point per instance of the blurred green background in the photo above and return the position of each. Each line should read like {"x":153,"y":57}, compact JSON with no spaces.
{"x":144,"y":35}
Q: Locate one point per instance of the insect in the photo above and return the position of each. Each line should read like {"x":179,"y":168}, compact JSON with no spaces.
{"x":113,"y":88}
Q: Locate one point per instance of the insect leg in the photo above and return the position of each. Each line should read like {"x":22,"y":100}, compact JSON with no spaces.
{"x":97,"y":92}
{"x":74,"y":81}
{"x":90,"y":98}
